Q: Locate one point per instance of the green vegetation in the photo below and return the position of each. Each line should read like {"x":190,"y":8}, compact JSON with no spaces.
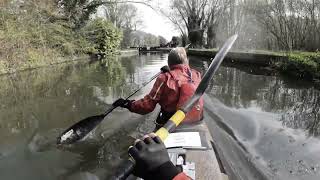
{"x":261,"y":52}
{"x":104,"y":38}
{"x":34,"y":34}
{"x":305,"y":65}
{"x":301,"y":64}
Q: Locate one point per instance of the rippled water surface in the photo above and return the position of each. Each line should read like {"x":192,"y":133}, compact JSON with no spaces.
{"x":265,"y":126}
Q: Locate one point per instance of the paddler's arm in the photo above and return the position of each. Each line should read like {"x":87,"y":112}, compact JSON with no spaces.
{"x":149,"y":102}
{"x":152,"y":160}
{"x":181,"y":176}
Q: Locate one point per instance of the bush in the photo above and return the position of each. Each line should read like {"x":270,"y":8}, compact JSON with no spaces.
{"x":104,"y":37}
{"x":29,"y":39}
{"x":33,"y":33}
{"x":302,"y":64}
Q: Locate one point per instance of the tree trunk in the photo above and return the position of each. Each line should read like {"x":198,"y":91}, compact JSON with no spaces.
{"x":211,"y":41}
{"x":195,"y":33}
{"x":184,"y":40}
{"x":196,"y":38}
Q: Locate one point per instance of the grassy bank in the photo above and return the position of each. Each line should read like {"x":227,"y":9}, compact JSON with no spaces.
{"x":30,"y":37}
{"x":254,"y":57}
{"x":304,"y":65}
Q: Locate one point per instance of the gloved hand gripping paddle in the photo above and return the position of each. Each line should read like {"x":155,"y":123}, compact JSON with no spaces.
{"x":152,"y":158}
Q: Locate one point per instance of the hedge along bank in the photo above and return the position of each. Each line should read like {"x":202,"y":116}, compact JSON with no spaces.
{"x":29,"y":40}
{"x":304,"y":65}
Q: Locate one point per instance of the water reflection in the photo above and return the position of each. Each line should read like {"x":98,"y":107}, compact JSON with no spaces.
{"x":298,"y":106}
{"x":275,"y":119}
{"x":37,"y":105}
{"x":264,"y":124}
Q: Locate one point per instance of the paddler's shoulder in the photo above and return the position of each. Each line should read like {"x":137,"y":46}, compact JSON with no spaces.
{"x":163,"y":77}
{"x":196,"y":72}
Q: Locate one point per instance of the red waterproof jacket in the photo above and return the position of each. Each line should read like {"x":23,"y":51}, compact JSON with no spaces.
{"x":181,"y":176}
{"x":166,"y":92}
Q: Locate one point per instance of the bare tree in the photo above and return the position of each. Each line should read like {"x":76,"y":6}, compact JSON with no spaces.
{"x":217,"y":7}
{"x":294,"y":25}
{"x":123,"y":16}
{"x":195,"y":19}
{"x":178,"y":23}
{"x":190,"y":17}
{"x":80,"y":11}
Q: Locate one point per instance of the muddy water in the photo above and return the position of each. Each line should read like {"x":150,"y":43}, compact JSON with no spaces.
{"x":265,"y":126}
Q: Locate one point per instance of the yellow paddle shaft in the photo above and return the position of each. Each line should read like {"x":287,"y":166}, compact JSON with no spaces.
{"x":173,"y":122}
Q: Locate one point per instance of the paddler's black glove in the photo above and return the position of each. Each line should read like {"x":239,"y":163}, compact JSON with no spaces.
{"x":122,"y":103}
{"x":165,"y":69}
{"x":152,"y":159}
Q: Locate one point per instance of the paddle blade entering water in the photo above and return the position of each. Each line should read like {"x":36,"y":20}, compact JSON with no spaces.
{"x":79,"y":130}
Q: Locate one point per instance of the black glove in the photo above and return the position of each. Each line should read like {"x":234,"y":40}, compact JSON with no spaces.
{"x":122,"y":103}
{"x":152,"y":160}
{"x":165,"y":69}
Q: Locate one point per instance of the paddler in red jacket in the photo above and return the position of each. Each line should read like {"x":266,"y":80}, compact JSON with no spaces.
{"x":174,"y":86}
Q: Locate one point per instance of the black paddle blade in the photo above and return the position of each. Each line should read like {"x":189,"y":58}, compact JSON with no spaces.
{"x":80,"y":129}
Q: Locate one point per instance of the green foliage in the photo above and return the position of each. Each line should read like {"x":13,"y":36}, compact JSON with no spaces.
{"x":104,"y":37}
{"x":302,"y":64}
{"x":78,"y":11}
{"x":31,"y":36}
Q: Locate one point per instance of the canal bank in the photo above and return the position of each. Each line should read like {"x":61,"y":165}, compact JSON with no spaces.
{"x":9,"y":68}
{"x":245,"y":57}
{"x":258,"y":58}
{"x":301,"y":65}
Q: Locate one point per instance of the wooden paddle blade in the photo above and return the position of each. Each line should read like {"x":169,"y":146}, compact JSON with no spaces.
{"x":80,"y":129}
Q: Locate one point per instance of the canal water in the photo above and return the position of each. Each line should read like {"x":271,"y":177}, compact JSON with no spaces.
{"x":264,"y":126}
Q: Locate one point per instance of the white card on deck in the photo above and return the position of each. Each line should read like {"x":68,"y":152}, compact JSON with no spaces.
{"x":183,"y":139}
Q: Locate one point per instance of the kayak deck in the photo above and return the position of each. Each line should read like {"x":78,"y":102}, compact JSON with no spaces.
{"x":206,"y":163}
